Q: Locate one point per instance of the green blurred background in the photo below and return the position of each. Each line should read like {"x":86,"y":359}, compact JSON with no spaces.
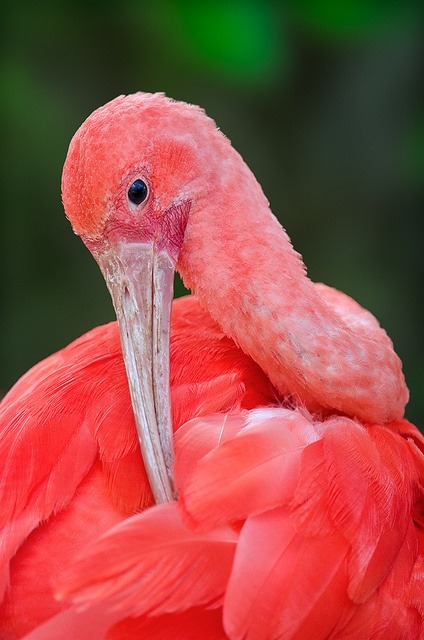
{"x":323,"y":99}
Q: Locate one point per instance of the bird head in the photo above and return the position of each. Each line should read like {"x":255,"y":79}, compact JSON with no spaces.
{"x":140,"y":173}
{"x":135,"y":168}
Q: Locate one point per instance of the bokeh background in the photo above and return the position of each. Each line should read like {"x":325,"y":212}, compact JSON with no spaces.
{"x":324,"y":99}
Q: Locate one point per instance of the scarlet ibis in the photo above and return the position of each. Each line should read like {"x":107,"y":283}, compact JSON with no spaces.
{"x":293,"y":508}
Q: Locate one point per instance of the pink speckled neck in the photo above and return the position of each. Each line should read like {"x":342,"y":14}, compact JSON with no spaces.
{"x":314,"y":343}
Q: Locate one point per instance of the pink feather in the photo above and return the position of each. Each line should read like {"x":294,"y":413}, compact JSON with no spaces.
{"x":153,"y":563}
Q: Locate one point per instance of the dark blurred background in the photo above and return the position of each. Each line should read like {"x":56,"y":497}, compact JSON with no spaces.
{"x":324,"y":99}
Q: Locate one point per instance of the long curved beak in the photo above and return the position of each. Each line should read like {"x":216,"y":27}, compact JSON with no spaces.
{"x":140,"y":279}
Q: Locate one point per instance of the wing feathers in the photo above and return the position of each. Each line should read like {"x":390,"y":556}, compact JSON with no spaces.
{"x":194,"y":624}
{"x":154,"y":563}
{"x":326,"y":544}
{"x":276,"y":586}
{"x":256,"y":470}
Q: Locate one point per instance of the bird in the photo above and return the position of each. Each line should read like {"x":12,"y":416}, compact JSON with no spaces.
{"x":288,"y":500}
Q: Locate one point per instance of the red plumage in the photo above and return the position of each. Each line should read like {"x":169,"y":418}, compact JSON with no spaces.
{"x":323,"y":516}
{"x":71,"y":466}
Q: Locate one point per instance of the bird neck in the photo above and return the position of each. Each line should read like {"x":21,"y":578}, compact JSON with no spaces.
{"x":239,"y":262}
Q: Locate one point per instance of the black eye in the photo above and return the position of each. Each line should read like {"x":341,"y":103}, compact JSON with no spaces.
{"x":138,"y":191}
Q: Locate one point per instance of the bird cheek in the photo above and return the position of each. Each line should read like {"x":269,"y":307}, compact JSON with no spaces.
{"x":174,"y":224}
{"x":125,"y":225}
{"x":166,"y":229}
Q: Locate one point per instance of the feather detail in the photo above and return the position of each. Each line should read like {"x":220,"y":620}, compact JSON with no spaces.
{"x":253,"y":471}
{"x":53,"y":491}
{"x":223,"y":393}
{"x":201,"y":352}
{"x":374,"y":517}
{"x":334,"y":504}
{"x":153,"y":563}
{"x":51,"y":428}
{"x":198,"y":437}
{"x":392,"y":611}
{"x":284,"y":585}
{"x":76,"y":625}
{"x":193,"y":624}
{"x":50,"y":548}
{"x":43,"y":432}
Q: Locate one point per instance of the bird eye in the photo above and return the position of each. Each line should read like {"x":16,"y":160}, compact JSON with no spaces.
{"x":138,"y":191}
